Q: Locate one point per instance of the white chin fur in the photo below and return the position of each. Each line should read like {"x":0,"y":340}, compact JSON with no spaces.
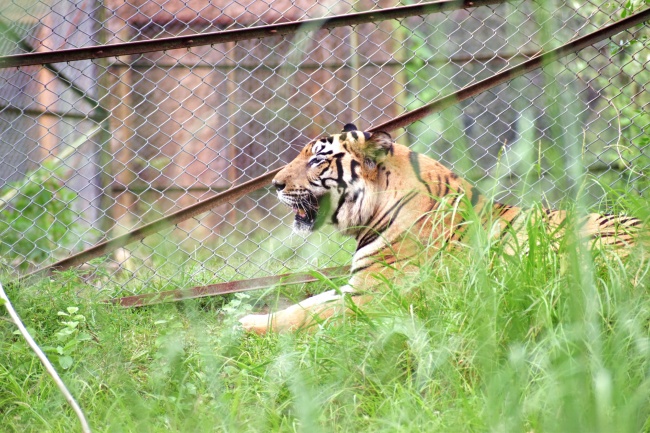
{"x":302,"y":229}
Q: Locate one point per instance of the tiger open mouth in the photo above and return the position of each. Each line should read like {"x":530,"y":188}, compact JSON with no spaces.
{"x":306,"y":211}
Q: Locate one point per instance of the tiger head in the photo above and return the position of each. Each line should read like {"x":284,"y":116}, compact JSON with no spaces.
{"x":334,"y":178}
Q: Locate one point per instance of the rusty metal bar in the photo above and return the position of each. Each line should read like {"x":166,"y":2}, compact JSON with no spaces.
{"x":399,"y":122}
{"x":226,"y":288}
{"x":163,"y":44}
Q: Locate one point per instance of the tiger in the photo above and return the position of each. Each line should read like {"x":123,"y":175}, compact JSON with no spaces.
{"x":395,"y":203}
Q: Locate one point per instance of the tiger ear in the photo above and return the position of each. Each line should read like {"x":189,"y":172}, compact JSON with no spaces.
{"x":376,"y":145}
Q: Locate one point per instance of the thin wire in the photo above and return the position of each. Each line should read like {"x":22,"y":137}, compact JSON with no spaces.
{"x":85,"y":428}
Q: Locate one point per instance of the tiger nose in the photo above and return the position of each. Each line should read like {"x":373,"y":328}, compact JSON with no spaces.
{"x":278,"y":185}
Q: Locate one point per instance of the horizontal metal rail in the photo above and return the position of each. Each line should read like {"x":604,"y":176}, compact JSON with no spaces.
{"x":227,"y":287}
{"x":189,"y":41}
{"x":399,"y":122}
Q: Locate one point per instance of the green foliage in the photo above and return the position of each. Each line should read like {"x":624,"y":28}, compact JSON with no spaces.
{"x":37,"y":220}
{"x":632,"y":6}
{"x":69,"y":337}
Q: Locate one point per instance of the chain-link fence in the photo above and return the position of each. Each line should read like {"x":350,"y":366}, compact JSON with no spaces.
{"x":90,"y":149}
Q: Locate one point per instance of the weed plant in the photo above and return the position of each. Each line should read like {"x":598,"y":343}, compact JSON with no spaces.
{"x":554,"y":338}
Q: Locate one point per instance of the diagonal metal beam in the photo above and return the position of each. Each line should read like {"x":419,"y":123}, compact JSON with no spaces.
{"x":516,"y":71}
{"x":399,"y":122}
{"x":227,"y":287}
{"x":162,"y":44}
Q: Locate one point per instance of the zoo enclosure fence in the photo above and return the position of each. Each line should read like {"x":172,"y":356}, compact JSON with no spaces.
{"x":90,"y":149}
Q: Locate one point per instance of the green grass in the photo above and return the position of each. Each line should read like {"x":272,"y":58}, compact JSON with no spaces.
{"x":474,"y":340}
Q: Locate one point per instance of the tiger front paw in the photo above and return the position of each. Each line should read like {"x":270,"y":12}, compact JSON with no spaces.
{"x":258,"y":323}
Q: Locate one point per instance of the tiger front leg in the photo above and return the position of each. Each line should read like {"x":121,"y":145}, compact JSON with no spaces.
{"x":304,"y":314}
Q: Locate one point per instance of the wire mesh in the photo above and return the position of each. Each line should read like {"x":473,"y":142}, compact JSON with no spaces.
{"x":90,"y":149}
